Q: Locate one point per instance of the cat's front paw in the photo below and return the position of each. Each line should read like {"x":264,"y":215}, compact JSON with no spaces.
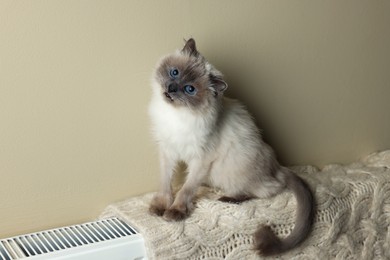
{"x":159,"y":205}
{"x":157,"y":210}
{"x":174,"y":214}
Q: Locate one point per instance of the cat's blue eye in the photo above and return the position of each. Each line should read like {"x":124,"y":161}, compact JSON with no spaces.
{"x":190,"y":90}
{"x":174,"y":73}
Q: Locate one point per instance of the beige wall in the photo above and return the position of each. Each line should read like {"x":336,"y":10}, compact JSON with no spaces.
{"x":74,"y":88}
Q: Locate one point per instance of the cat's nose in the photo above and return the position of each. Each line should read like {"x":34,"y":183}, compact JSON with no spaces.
{"x":172,"y":88}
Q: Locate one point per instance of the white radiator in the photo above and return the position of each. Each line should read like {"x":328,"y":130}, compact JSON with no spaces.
{"x":108,"y":239}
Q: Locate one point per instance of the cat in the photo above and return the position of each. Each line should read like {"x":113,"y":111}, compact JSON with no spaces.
{"x":217,"y":138}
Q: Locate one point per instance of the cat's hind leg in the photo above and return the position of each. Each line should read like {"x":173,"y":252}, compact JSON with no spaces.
{"x":237,"y":199}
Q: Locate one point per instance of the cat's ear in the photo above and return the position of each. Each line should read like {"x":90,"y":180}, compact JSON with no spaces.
{"x":190,"y":48}
{"x":218,"y":84}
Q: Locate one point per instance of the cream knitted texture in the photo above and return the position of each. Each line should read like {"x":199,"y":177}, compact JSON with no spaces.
{"x":352,"y":218}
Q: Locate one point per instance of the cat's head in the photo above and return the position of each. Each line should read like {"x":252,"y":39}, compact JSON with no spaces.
{"x":185,"y":78}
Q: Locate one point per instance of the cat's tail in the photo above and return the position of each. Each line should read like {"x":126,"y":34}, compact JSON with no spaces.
{"x":267,"y":243}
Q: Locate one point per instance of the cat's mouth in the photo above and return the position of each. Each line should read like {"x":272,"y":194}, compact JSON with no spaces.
{"x":169,"y":97}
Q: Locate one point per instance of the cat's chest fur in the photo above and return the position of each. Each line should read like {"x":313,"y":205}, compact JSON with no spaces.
{"x":179,"y":131}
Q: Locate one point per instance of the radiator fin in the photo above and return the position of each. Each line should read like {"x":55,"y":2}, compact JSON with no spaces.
{"x":45,"y":242}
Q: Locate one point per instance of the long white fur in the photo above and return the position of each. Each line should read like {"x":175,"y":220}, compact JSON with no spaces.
{"x":230,"y":146}
{"x":221,"y":145}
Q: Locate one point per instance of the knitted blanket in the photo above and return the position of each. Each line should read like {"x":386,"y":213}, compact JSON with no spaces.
{"x":352,"y":218}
